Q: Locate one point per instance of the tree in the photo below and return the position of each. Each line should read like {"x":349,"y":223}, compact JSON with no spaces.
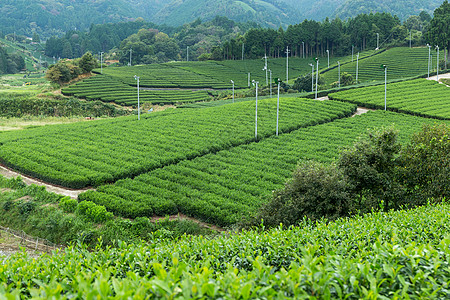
{"x":87,"y":62}
{"x":36,"y":38}
{"x":439,"y":29}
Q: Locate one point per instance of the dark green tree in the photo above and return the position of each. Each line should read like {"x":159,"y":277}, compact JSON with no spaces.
{"x":87,"y":62}
{"x":439,"y":29}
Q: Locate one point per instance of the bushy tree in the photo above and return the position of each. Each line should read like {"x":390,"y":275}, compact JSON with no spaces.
{"x":315,"y":191}
{"x":304,"y":83}
{"x":87,"y":62}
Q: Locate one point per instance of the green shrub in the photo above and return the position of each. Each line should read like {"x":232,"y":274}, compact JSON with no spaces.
{"x":315,"y":191}
{"x":68,"y":205}
{"x":94,"y":212}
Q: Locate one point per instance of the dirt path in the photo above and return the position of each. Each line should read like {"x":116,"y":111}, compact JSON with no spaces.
{"x":446,"y":75}
{"x":8,"y":173}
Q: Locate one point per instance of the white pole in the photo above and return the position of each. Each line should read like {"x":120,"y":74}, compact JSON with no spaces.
{"x":101,"y":62}
{"x":303,"y":49}
{"x":248,"y":79}
{"x":233,"y":89}
{"x":317,"y":75}
{"x":410,"y":37}
{"x":139,"y":107}
{"x":265,"y":67}
{"x":270,"y":72}
{"x":378,"y":41}
{"x":429,"y":56}
{"x":385,"y":87}
{"x":256,"y":112}
{"x":339,"y":73}
{"x":312,"y":78}
{"x":131,"y":50}
{"x":437,"y":63}
{"x":357,"y":67}
{"x":187,"y":53}
{"x":278,"y":103}
{"x":328,"y":54}
{"x":287,"y":63}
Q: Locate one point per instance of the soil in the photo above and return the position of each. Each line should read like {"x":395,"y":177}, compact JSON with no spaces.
{"x":8,"y":173}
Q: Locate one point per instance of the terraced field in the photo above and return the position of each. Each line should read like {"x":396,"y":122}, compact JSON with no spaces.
{"x":419,"y":97}
{"x":220,"y":188}
{"x":92,"y":153}
{"x":402,"y":62}
{"x":109,"y":89}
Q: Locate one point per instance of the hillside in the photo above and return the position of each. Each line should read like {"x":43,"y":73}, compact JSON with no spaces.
{"x":269,"y":13}
{"x":50,"y":17}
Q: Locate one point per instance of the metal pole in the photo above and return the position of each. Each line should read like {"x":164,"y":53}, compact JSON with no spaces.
{"x":328,"y":53}
{"x":270,"y":72}
{"x":437,"y":63}
{"x":312,"y":78}
{"x":233,"y":89}
{"x":317,"y":75}
{"x":357,"y":67}
{"x":385,"y":87}
{"x":303,"y":49}
{"x":248,"y":79}
{"x":378,"y":41}
{"x":131,"y":50}
{"x":339,"y":73}
{"x":101,"y":62}
{"x":278,"y":104}
{"x":139,"y":109}
{"x":265,"y":67}
{"x":429,"y":56}
{"x":287,"y":63}
{"x":256,"y":111}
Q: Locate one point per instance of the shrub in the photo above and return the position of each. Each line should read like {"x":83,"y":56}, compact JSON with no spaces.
{"x":315,"y":191}
{"x":94,"y":212}
{"x":68,"y":205}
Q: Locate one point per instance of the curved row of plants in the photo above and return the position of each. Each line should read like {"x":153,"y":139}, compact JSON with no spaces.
{"x":402,"y":254}
{"x":223,"y":187}
{"x":79,"y":155}
{"x":418,"y":97}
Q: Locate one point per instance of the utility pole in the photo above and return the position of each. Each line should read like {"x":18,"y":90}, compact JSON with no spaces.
{"x":131,"y":51}
{"x":139,"y":109}
{"x":287,"y":63}
{"x":339,"y":73}
{"x":357,"y":67}
{"x":317,"y":75}
{"x":265,"y":68}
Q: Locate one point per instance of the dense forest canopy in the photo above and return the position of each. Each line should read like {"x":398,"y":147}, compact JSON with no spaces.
{"x":10,"y":62}
{"x":55,"y":17}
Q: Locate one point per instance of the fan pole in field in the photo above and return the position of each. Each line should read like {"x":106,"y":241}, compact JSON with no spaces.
{"x":339,"y":73}
{"x":187,"y":53}
{"x":357,"y":67}
{"x":270,"y":81}
{"x":101,"y":62}
{"x":265,"y":67}
{"x":256,"y":111}
{"x":139,"y":109}
{"x":233,"y":89}
{"x":287,"y":63}
{"x":131,"y":51}
{"x":312,"y":77}
{"x":317,"y":75}
{"x":248,"y":79}
{"x":378,"y":41}
{"x":385,"y":86}
{"x":429,"y":56}
{"x":328,"y":54}
{"x":437,"y":63}
{"x":278,"y":103}
{"x":303,"y":49}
